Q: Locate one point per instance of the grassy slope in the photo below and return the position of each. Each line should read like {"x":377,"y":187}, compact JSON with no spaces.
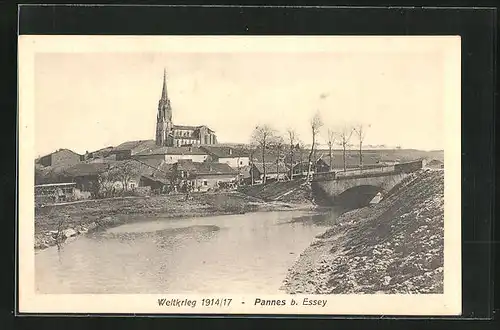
{"x":395,"y":246}
{"x":272,"y":191}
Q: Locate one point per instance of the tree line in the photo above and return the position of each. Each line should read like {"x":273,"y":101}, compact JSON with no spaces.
{"x":265,"y":138}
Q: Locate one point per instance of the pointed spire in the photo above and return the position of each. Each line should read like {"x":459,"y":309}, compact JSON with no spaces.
{"x":164,"y":91}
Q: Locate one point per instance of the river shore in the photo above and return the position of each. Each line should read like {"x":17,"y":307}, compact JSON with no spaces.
{"x":54,"y":224}
{"x":395,"y":246}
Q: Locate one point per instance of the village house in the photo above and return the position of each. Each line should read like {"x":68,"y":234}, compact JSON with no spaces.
{"x":61,"y":157}
{"x":130,"y":148}
{"x":173,"y":154}
{"x":273,"y":172}
{"x":117,"y":177}
{"x":86,"y":176}
{"x":203,"y":176}
{"x":155,"y":174}
{"x":236,"y":158}
{"x":100,"y":155}
{"x":300,"y":169}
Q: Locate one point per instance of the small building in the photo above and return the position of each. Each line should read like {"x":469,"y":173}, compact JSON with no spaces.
{"x":98,"y":155}
{"x":172,"y":155}
{"x":203,"y":176}
{"x":274,"y":172}
{"x":54,"y":193}
{"x":156,"y":174}
{"x":301,"y":169}
{"x":61,"y":157}
{"x":86,"y":175}
{"x":234,"y":157}
{"x":128,"y":149}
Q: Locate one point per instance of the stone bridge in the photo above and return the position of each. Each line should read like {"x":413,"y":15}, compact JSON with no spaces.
{"x":356,"y":188}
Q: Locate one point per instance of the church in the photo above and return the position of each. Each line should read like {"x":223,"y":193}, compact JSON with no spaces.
{"x":170,"y":135}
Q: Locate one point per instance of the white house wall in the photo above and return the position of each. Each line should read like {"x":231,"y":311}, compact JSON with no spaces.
{"x":233,"y":162}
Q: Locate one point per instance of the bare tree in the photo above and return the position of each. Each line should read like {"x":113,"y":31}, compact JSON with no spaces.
{"x":278,"y":143}
{"x":262,"y":136}
{"x":252,"y":153}
{"x":301,"y":147}
{"x":105,"y":182}
{"x":315,"y":124}
{"x":331,"y":142}
{"x":345,"y":135}
{"x":360,"y":132}
{"x":292,"y":140}
{"x":125,"y":172}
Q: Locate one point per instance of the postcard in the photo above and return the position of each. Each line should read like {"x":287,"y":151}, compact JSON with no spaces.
{"x":261,"y":175}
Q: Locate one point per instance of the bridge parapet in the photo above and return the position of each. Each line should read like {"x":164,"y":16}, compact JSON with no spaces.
{"x":368,"y":172}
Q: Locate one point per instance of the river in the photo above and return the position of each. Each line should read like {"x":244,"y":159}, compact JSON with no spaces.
{"x":219,"y":254}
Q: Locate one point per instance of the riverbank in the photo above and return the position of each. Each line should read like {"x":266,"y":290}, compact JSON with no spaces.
{"x":395,"y":246}
{"x":56,"y":223}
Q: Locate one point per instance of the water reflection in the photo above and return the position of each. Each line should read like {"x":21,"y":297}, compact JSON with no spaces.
{"x":223,"y":254}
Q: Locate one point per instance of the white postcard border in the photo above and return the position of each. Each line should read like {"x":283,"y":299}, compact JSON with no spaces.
{"x":449,"y":303}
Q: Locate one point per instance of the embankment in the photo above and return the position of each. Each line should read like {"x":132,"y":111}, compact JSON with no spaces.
{"x":56,"y":223}
{"x":395,"y":246}
{"x":296,"y":191}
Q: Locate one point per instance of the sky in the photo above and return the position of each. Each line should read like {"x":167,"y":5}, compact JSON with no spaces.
{"x":87,"y":101}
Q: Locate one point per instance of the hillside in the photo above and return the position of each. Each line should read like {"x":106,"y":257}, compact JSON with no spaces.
{"x":395,"y":246}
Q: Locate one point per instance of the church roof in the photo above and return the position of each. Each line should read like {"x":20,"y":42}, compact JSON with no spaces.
{"x":190,"y":127}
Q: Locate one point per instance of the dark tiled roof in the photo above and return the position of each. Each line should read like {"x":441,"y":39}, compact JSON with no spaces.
{"x":186,"y":127}
{"x":86,"y":169}
{"x":214,"y":168}
{"x":225,"y":152}
{"x":204,"y":168}
{"x":186,"y":165}
{"x":101,"y":152}
{"x":59,"y":150}
{"x":189,"y":127}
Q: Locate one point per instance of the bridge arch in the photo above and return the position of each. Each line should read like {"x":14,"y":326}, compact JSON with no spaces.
{"x":354,"y":192}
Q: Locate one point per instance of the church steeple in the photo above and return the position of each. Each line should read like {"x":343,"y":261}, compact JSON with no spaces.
{"x":164,"y":95}
{"x":164,"y":117}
